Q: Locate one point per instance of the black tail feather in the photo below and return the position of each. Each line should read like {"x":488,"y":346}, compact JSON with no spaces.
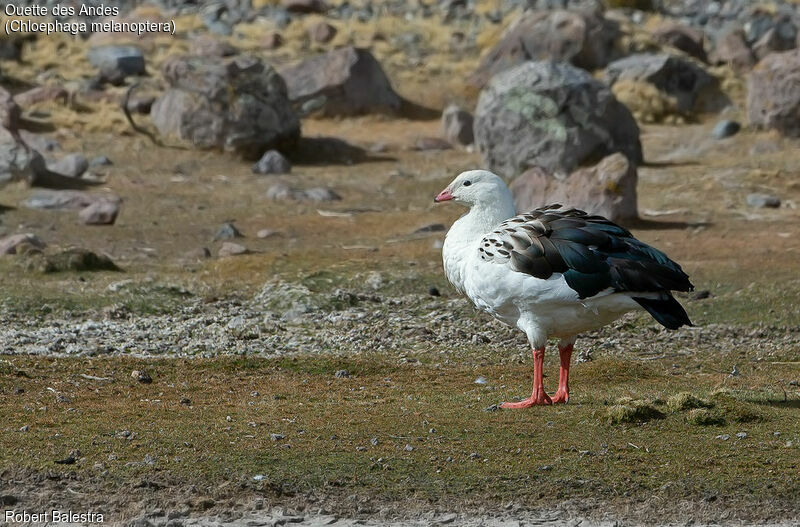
{"x":667,"y":311}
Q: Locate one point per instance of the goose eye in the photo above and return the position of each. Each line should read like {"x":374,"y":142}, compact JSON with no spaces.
{"x":467,"y":183}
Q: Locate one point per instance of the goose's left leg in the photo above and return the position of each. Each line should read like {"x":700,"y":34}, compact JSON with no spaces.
{"x":565,"y":354}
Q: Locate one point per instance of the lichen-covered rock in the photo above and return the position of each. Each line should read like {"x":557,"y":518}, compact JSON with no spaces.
{"x":608,"y":189}
{"x":584,"y":38}
{"x":238,"y":104}
{"x":677,"y":77}
{"x":773,"y":93}
{"x":349,"y":80}
{"x":552,"y":115}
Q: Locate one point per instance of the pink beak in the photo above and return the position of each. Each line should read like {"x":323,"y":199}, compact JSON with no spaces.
{"x":444,"y":195}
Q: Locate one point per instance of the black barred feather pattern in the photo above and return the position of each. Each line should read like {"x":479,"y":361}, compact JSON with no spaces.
{"x":593,"y":254}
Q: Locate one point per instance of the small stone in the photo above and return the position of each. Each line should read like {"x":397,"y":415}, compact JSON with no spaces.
{"x":272,"y":162}
{"x":259,"y":477}
{"x":16,"y":243}
{"x":342,"y":374}
{"x":267,"y":233}
{"x":584,"y":356}
{"x":373,"y":441}
{"x":761,"y":201}
{"x":186,"y":401}
{"x":725,"y":128}
{"x":741,"y":435}
{"x":701,"y":295}
{"x":492,"y":408}
{"x":277,"y":437}
{"x":408,"y":448}
{"x":69,"y":460}
{"x":70,"y":165}
{"x":481,"y":380}
{"x":232,"y":249}
{"x":723,"y":437}
{"x":434,"y":291}
{"x":142,"y":376}
{"x":117,"y":62}
{"x":272,"y":40}
{"x":305,"y":6}
{"x":100,"y":161}
{"x":457,"y":125}
{"x":227,"y":231}
{"x":101,"y":212}
{"x":322,"y":32}
{"x":445,"y":519}
{"x":24,"y":428}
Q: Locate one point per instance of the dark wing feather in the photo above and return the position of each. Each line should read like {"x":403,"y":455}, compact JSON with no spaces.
{"x":593,"y":253}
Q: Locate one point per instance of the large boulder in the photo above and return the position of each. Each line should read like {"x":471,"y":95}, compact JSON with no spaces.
{"x":17,"y":160}
{"x":585,"y":39}
{"x":675,"y":76}
{"x":552,"y":115}
{"x":773,"y":93}
{"x":349,"y":80}
{"x":608,"y":189}
{"x":690,"y":40}
{"x":238,"y":104}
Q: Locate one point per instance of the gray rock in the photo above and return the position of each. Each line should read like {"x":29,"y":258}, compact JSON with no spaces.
{"x":101,"y":212}
{"x":41,"y":94}
{"x":349,"y":78}
{"x":208,"y":46}
{"x":16,"y":160}
{"x":732,"y":49}
{"x":773,"y":93}
{"x":607,"y":189}
{"x":65,"y":199}
{"x":585,"y":39}
{"x":227,"y":231}
{"x":523,"y":120}
{"x":70,"y":165}
{"x":457,"y":125}
{"x":687,"y":39}
{"x":11,"y":244}
{"x":322,"y":32}
{"x":116,"y":62}
{"x":238,"y":104}
{"x":725,"y":128}
{"x":232,"y":249}
{"x":281,"y":192}
{"x":675,"y":76}
{"x":272,"y":162}
{"x":100,"y":161}
{"x":141,"y":376}
{"x":760,"y":201}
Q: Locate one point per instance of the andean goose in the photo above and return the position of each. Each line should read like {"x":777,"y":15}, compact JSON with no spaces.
{"x":552,"y":272}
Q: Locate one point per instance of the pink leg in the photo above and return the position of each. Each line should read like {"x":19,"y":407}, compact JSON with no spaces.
{"x":538,"y":397}
{"x":562,"y":394}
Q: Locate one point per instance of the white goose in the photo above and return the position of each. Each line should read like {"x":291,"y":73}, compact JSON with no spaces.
{"x":552,"y":272}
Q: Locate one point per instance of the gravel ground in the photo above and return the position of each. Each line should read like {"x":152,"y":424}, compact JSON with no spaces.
{"x":287,"y":318}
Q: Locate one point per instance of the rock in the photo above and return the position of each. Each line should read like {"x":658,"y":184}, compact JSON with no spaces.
{"x":39,"y":142}
{"x":141,"y":376}
{"x":70,"y":165}
{"x":71,"y":259}
{"x":773,"y":93}
{"x":116,"y":62}
{"x":17,"y":161}
{"x":227,"y":231}
{"x":232,"y":249}
{"x":141,"y":104}
{"x":769,"y":31}
{"x":322,"y":32}
{"x":42,"y":94}
{"x":272,"y":40}
{"x":101,"y":212}
{"x":725,"y":128}
{"x":431,"y":143}
{"x":13,"y":244}
{"x":277,"y":437}
{"x":281,"y":191}
{"x":607,"y":189}
{"x":457,"y":125}
{"x":100,"y":161}
{"x":272,"y":162}
{"x":208,"y":46}
{"x":10,"y":112}
{"x":349,"y":78}
{"x":65,"y":199}
{"x":761,"y":201}
{"x":238,"y":104}
{"x":341,"y":374}
{"x":523,"y":120}
{"x":732,"y":49}
{"x":671,"y":74}
{"x":305,"y":6}
{"x":585,"y":39}
{"x":687,"y":39}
